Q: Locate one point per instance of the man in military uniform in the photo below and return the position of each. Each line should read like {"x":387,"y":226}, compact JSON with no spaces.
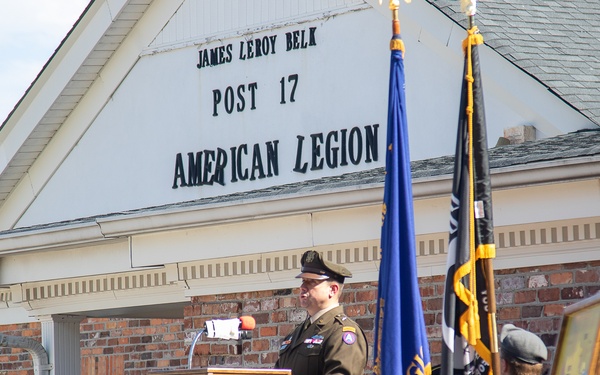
{"x":328,"y":342}
{"x":522,"y":352}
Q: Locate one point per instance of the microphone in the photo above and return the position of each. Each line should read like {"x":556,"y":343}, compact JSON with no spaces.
{"x":224,"y":329}
{"x":247,"y":324}
{"x":231,"y":329}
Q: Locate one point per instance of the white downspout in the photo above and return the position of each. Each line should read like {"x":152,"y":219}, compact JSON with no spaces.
{"x":37,"y":351}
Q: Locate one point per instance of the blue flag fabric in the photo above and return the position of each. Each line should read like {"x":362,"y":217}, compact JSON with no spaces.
{"x":401,"y":345}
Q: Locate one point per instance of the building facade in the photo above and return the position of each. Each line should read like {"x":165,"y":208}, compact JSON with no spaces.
{"x":174,"y":159}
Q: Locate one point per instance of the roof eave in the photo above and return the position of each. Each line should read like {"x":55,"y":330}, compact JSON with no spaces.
{"x":174,"y":217}
{"x":61,"y":84}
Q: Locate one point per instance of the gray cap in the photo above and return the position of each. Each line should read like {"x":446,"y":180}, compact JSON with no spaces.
{"x":315,"y":267}
{"x":522,"y":345}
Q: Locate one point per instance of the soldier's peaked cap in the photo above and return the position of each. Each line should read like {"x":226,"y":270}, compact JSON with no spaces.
{"x":317,"y":268}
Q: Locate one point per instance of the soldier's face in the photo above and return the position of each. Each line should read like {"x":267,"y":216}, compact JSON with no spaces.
{"x":315,"y":295}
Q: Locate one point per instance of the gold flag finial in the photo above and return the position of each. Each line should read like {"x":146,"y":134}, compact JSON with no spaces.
{"x":396,"y":44}
{"x":395,"y":3}
{"x":469,"y":7}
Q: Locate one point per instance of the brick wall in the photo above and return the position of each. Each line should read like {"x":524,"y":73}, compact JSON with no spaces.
{"x":276,"y":314}
{"x":17,"y":361}
{"x":130,"y":346}
{"x":532,"y":298}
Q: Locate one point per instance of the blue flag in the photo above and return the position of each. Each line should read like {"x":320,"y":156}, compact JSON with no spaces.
{"x":401,"y":345}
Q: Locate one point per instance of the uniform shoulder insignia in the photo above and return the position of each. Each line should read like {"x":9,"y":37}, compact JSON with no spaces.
{"x":348,"y":337}
{"x":341,"y":318}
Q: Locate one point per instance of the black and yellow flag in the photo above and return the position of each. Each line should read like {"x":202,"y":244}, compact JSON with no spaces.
{"x":469,"y":327}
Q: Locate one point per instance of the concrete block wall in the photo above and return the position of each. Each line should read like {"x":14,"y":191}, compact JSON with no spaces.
{"x":533,"y":298}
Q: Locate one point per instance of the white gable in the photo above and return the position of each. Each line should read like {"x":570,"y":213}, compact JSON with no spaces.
{"x":284,"y":92}
{"x":198,"y":21}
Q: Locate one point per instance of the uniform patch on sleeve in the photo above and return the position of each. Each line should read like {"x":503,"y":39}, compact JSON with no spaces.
{"x":348,"y":337}
{"x":349,"y":329}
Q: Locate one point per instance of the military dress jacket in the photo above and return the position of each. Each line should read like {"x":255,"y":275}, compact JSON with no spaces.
{"x":334,"y":344}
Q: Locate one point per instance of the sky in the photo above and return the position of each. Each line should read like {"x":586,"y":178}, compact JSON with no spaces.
{"x":30,"y":32}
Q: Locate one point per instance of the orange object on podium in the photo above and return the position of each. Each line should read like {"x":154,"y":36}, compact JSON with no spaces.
{"x":224,"y":371}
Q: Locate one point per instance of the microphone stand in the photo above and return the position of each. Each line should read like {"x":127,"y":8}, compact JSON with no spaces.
{"x":191,"y":353}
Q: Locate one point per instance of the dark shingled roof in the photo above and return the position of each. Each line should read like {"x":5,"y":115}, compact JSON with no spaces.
{"x":567,"y":146}
{"x":556,"y":42}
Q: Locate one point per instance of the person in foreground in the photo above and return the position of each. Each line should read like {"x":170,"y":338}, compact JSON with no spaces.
{"x":328,"y":342}
{"x":521,"y":351}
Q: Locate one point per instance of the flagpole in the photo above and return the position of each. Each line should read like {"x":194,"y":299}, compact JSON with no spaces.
{"x":400,"y":338}
{"x":489,"y":273}
{"x":470,"y":8}
{"x":489,"y":277}
{"x":394,"y":5}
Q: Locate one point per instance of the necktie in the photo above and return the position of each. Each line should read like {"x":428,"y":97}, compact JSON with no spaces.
{"x":301,"y":330}
{"x":306,"y":324}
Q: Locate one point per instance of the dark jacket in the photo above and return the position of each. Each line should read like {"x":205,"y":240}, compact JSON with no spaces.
{"x":334,"y":344}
